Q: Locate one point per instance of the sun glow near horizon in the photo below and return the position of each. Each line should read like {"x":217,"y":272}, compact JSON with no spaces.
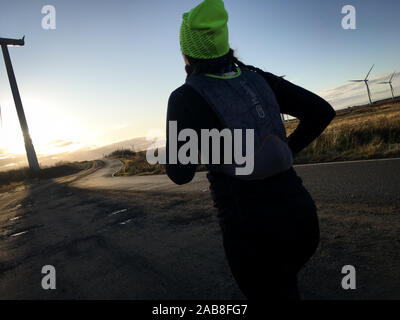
{"x":51,"y":132}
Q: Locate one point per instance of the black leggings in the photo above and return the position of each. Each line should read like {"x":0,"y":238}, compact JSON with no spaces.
{"x":270,"y":230}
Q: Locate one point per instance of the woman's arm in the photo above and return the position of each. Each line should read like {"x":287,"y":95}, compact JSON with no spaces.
{"x":314,"y":113}
{"x":177,"y":111}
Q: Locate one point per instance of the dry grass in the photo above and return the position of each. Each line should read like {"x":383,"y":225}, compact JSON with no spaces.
{"x":135,"y":163}
{"x":13,"y":178}
{"x":366,"y":132}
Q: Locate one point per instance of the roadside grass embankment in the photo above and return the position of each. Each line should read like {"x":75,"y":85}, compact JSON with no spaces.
{"x":368,"y":132}
{"x":135,"y":163}
{"x":14,"y":178}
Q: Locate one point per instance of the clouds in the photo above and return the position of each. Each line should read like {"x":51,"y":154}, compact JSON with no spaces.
{"x":58,"y":146}
{"x":353,"y":93}
{"x":61,"y":143}
{"x":10,"y":161}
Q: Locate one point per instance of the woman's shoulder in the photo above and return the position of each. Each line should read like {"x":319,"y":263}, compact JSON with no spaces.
{"x":273,"y":80}
{"x":185,"y":95}
{"x":184,"y":91}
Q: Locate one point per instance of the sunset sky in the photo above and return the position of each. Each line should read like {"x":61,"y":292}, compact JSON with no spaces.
{"x":106,"y":72}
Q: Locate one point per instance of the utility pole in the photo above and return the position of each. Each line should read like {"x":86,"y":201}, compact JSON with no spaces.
{"x":30,"y":150}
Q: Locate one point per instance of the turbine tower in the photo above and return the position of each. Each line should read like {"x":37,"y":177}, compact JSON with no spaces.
{"x":390,"y":83}
{"x":366,"y":83}
{"x":30,"y":150}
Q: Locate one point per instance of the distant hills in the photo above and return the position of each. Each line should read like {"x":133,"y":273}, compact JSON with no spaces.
{"x":8,"y":162}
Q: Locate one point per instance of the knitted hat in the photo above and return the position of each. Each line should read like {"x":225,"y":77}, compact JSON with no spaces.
{"x":204,"y":31}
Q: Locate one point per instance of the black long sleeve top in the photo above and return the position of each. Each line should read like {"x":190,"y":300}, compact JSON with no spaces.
{"x":190,"y":110}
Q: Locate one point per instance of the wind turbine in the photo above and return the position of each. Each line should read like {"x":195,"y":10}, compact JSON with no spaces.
{"x":366,"y":83}
{"x":390,"y":83}
{"x":30,"y":150}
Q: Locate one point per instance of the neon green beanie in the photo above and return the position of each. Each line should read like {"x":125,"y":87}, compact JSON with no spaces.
{"x":204,"y":31}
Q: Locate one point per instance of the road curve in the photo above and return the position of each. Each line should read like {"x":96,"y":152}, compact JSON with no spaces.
{"x":104,"y":179}
{"x":372,"y":181}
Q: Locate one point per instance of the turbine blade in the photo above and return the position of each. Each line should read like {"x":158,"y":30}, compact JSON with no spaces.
{"x":369,"y":71}
{"x":391,"y":76}
{"x":356,"y":80}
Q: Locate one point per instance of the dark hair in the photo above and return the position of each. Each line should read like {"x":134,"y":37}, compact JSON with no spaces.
{"x":217,"y":65}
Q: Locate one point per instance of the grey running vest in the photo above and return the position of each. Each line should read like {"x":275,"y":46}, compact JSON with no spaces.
{"x":248,"y":102}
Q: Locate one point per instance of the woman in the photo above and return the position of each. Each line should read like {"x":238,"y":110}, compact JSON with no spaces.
{"x":269,"y":226}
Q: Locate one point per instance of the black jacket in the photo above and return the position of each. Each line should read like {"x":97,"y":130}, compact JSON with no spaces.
{"x":190,"y":110}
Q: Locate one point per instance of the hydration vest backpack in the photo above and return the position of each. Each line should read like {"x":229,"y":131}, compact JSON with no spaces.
{"x":246,"y":101}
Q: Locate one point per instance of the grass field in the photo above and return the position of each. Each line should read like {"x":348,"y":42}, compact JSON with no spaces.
{"x":13,"y":178}
{"x":362,"y":132}
{"x":135,"y":163}
{"x":365,"y":132}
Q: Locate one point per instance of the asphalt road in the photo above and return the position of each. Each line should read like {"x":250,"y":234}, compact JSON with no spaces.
{"x":146,"y":238}
{"x":372,"y":181}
